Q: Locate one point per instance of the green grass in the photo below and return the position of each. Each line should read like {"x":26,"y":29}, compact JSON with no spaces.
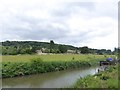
{"x":12,"y":69}
{"x":17,"y":65}
{"x":54,"y":57}
{"x":105,"y":79}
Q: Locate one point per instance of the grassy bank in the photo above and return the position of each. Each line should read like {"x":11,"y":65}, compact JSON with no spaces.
{"x":31,"y":64}
{"x":105,"y":79}
{"x":38,"y":66}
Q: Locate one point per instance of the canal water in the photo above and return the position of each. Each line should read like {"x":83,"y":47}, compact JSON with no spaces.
{"x":59,"y":79}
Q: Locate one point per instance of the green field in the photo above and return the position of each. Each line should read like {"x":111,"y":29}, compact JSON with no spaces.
{"x":17,"y":65}
{"x":54,"y":57}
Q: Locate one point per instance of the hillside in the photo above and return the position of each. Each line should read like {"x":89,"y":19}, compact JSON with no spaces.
{"x":31,"y":47}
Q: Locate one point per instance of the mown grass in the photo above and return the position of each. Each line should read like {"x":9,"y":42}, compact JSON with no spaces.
{"x":106,"y":79}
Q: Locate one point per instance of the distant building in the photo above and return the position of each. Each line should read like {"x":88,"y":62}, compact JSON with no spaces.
{"x":71,"y":51}
{"x":39,"y":52}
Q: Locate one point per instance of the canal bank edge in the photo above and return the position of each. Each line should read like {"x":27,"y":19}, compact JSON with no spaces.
{"x":35,"y":66}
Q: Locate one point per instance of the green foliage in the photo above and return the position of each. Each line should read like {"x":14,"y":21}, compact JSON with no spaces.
{"x":112,"y":83}
{"x":85,"y":50}
{"x":51,"y":46}
{"x":92,"y":59}
{"x":62,"y":48}
{"x":37,"y":65}
{"x":15,"y":69}
{"x":9,"y":50}
{"x":19,"y":65}
{"x":106,"y":79}
{"x":30,"y":47}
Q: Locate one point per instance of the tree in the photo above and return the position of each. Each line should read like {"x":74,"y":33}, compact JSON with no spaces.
{"x":100,"y":52}
{"x":11,"y":51}
{"x":84,"y":50}
{"x":108,"y":52}
{"x":62,"y":48}
{"x":51,"y":45}
{"x":115,"y":51}
{"x":92,"y":51}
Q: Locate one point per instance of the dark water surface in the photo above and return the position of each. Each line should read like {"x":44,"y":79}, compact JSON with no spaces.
{"x":59,"y":79}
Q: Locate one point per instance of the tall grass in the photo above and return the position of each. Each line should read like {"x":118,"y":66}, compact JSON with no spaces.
{"x":54,"y":57}
{"x":106,"y":79}
{"x":12,"y":69}
{"x":31,"y":64}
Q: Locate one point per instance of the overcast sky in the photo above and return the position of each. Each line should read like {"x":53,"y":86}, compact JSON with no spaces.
{"x":90,"y":23}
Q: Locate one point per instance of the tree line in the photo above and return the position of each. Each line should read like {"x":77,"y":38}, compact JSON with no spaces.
{"x":30,"y":47}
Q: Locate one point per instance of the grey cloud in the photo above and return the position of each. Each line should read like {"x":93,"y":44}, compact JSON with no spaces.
{"x":70,"y":7}
{"x":39,"y":34}
{"x":19,"y":26}
{"x":36,"y":30}
{"x":83,"y":37}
